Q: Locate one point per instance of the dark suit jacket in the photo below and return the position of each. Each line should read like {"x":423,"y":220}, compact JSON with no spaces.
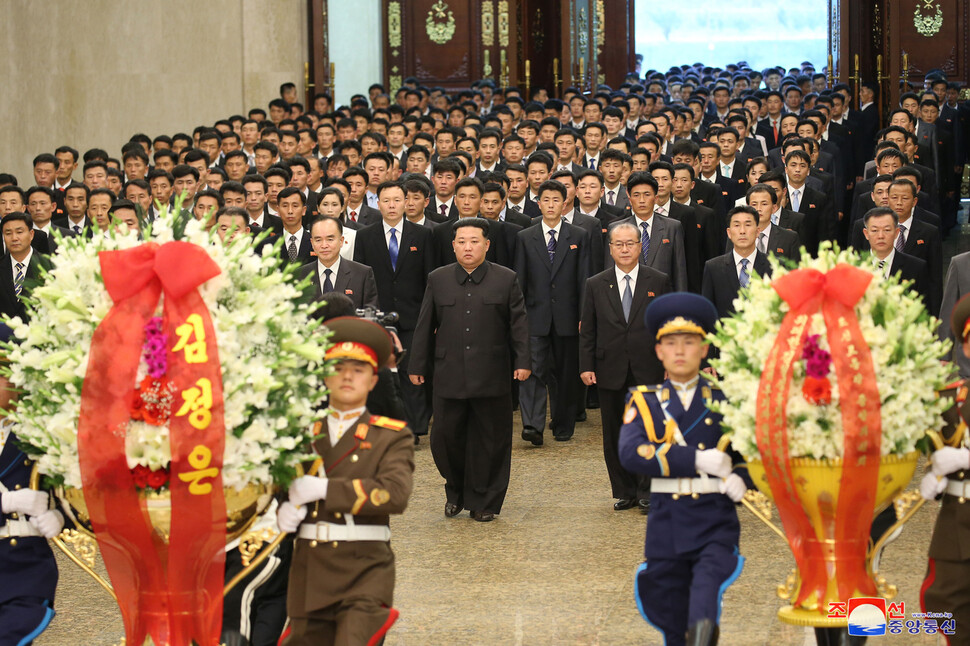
{"x":908,"y":267}
{"x":553,"y":289}
{"x":471,"y":320}
{"x":271,"y":223}
{"x":435,"y":216}
{"x":10,"y":303}
{"x":398,"y":290}
{"x":712,"y":196}
{"x":666,"y":253}
{"x":501,"y":249}
{"x":592,"y":226}
{"x":611,"y":346}
{"x":781,"y":242}
{"x":922,"y":241}
{"x":354,"y":280}
{"x":735,"y":185}
{"x":52,"y":237}
{"x":709,"y":226}
{"x":794,"y":221}
{"x":721,"y":285}
{"x":694,"y":253}
{"x":367,"y":216}
{"x":87,"y":227}
{"x":820,"y":223}
{"x":518,"y":218}
{"x":303,"y":254}
{"x":765,"y":130}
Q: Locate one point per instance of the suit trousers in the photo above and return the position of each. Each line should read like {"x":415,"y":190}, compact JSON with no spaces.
{"x":471,"y":443}
{"x":417,"y":399}
{"x":254,"y":612}
{"x":353,"y":622}
{"x":555,"y":364}
{"x":623,"y":483}
{"x":22,"y":618}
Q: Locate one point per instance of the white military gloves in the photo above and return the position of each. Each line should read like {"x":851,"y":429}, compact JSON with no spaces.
{"x":930,"y":486}
{"x":24,"y":501}
{"x":49,"y":524}
{"x":290,"y":516}
{"x":713,"y":462}
{"x":308,"y":489}
{"x":733,"y":487}
{"x":948,"y":459}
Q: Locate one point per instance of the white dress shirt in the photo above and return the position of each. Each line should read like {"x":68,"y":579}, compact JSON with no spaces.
{"x":737,"y":262}
{"x":887,"y":267}
{"x":287,"y":236}
{"x":685,"y":391}
{"x":447,"y":203}
{"x":25,"y":261}
{"x":399,"y":227}
{"x":662,"y":209}
{"x":334,"y":268}
{"x":546,"y":229}
{"x":639,"y":224}
{"x":568,"y":216}
{"x":633,"y":279}
{"x":521,"y":205}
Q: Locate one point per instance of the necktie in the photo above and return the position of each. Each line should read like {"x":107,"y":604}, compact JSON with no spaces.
{"x":627,"y":300}
{"x":726,"y":171}
{"x":774,"y":127}
{"x":444,"y":210}
{"x":18,"y":280}
{"x":551,"y":247}
{"x":644,"y":242}
{"x":660,"y":211}
{"x":77,"y":229}
{"x":762,"y":247}
{"x":611,"y":198}
{"x":327,"y":283}
{"x":291,"y":249}
{"x":515,"y":207}
{"x":744,"y":277}
{"x":592,"y":163}
{"x":565,"y":219}
{"x":776,"y":218}
{"x":901,"y":238}
{"x":353,"y":216}
{"x":882,"y":265}
{"x":392,"y":248}
{"x":796,"y":199}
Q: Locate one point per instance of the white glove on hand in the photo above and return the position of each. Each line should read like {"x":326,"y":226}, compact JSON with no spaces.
{"x":948,"y":459}
{"x":930,"y":486}
{"x":307,"y":489}
{"x":290,"y":516}
{"x":49,"y":524}
{"x":713,"y":462}
{"x":733,"y":487}
{"x":24,"y":501}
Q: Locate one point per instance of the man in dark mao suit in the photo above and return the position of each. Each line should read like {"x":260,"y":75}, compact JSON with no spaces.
{"x":473,"y":324}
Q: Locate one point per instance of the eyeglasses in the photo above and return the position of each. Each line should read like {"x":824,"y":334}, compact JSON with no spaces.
{"x":624,"y":245}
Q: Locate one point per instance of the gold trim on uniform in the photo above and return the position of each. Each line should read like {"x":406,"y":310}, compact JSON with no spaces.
{"x":662,"y":459}
{"x":680,"y":325}
{"x":361,"y":496}
{"x":646,"y":451}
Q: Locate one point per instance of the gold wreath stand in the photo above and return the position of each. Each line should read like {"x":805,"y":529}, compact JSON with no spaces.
{"x":818,"y":483}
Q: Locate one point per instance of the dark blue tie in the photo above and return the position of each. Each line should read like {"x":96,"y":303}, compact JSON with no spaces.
{"x":551,"y":247}
{"x":644,"y":242}
{"x":392,"y":248}
{"x":327,"y":283}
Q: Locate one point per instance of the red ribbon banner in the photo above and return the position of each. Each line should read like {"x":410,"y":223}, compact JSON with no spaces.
{"x":172,"y":592}
{"x":838,"y":550}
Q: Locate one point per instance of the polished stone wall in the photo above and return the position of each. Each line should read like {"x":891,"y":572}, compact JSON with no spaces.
{"x":92,"y":73}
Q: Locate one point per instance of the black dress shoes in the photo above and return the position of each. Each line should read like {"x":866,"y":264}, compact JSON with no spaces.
{"x":644,"y":505}
{"x":483,"y":516}
{"x":624,"y":503}
{"x":452,"y":509}
{"x":530,"y":434}
{"x":702,"y":633}
{"x":563,"y":438}
{"x":581,"y":416}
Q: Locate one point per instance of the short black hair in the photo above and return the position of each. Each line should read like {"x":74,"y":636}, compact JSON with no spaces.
{"x":642,"y":177}
{"x":552,"y":185}
{"x":478,"y":223}
{"x":17,"y":216}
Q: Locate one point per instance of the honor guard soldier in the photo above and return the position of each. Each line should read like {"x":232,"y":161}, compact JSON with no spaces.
{"x":342,"y":579}
{"x":670,"y":434}
{"x":28,"y":571}
{"x":947,"y":584}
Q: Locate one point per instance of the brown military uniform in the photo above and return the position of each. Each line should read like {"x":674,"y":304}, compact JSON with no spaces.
{"x":341,"y":592}
{"x":947,"y":584}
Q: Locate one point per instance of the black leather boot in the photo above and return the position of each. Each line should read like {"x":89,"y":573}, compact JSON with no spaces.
{"x":702,"y":633}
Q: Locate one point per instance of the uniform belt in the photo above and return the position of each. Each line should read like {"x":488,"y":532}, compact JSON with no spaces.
{"x":958,"y":488}
{"x":17,"y":528}
{"x":332,"y":532}
{"x":685,"y":486}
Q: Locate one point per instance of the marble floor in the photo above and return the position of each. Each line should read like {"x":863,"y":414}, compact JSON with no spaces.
{"x":555,"y":568}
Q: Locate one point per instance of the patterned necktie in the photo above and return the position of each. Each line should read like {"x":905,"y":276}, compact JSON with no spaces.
{"x":392,"y":248}
{"x":744,"y":277}
{"x":644,"y":242}
{"x":516,"y":208}
{"x":882,"y":265}
{"x":592,"y":163}
{"x":611,"y":198}
{"x":796,"y":199}
{"x":627,"y":300}
{"x":353,"y":216}
{"x":901,"y":238}
{"x":291,"y":249}
{"x":551,"y":247}
{"x":18,"y":280}
{"x":444,"y":210}
{"x":77,"y":229}
{"x":327,"y":283}
{"x":761,"y":244}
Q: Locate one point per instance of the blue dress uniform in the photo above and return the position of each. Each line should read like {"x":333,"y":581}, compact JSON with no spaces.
{"x":28,"y":571}
{"x":691,"y":546}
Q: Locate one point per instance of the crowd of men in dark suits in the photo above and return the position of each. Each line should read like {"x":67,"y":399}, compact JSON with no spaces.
{"x":709,"y":171}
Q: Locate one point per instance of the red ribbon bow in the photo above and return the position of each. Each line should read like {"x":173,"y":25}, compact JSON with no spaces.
{"x":847,"y":523}
{"x":171,"y":591}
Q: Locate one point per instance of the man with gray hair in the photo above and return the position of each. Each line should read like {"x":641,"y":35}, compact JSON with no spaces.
{"x":615,"y":352}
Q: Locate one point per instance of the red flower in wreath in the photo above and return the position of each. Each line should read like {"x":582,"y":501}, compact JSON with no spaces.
{"x":140,"y":474}
{"x":817,"y":391}
{"x":152,"y":401}
{"x":158,"y":479}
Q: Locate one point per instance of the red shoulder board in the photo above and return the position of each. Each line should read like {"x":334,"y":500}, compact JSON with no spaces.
{"x":387,"y":422}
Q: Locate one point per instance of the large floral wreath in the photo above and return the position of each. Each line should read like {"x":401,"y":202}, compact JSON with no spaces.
{"x":272,"y":359}
{"x":906,"y":356}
